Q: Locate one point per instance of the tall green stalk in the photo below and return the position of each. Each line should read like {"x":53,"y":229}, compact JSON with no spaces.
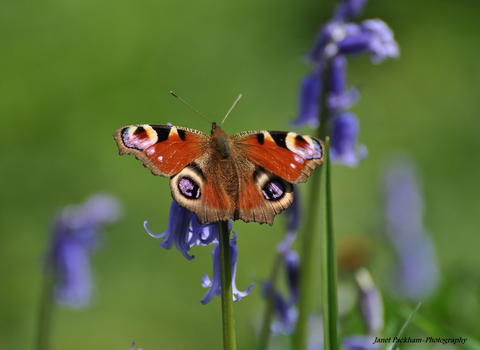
{"x":45,"y":312}
{"x":329,"y":263}
{"x":228,"y":323}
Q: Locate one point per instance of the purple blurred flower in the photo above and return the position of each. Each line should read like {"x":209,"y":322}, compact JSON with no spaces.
{"x":214,"y":284}
{"x":181,"y":234}
{"x":339,"y":98}
{"x":344,"y":148}
{"x":371,"y":303}
{"x":285,"y":309}
{"x":416,"y":274}
{"x":371,"y":36}
{"x":75,"y":237}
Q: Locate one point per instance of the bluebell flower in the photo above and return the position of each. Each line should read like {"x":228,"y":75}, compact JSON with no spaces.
{"x":337,"y":39}
{"x":371,"y":303}
{"x":184,"y":231}
{"x":214,"y":284}
{"x":75,"y":237}
{"x":344,"y":148}
{"x":416,"y":274}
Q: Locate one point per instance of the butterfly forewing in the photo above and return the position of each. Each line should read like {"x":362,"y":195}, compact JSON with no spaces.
{"x":288,"y":155}
{"x":164,"y":149}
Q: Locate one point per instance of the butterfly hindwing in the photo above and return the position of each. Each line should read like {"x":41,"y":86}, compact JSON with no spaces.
{"x":164,"y":149}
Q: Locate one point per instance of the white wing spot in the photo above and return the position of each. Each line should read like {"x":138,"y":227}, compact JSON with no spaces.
{"x":160,"y":159}
{"x":293,"y":165}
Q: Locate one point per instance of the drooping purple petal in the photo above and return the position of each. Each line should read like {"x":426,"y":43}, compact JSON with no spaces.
{"x":214,"y":284}
{"x":177,"y":232}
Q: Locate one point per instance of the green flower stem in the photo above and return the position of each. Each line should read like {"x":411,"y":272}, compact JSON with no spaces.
{"x":45,"y":312}
{"x":329,"y":263}
{"x":228,"y":322}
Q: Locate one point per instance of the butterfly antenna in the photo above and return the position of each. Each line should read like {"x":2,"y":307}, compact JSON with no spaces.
{"x":238,"y":98}
{"x":175,"y":95}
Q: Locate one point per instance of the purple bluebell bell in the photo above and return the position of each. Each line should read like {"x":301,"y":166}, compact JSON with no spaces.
{"x":75,"y":237}
{"x":416,"y":274}
{"x":344,"y":148}
{"x":309,"y":107}
{"x":214,"y":284}
{"x":181,"y":234}
{"x":340,"y":98}
{"x":371,"y":303}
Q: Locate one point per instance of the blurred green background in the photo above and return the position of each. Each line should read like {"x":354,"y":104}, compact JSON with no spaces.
{"x":73,"y":72}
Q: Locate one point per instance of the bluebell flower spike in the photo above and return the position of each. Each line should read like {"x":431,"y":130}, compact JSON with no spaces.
{"x":75,"y":237}
{"x":416,"y":274}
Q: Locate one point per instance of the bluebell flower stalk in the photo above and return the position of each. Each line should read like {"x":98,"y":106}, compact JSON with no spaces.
{"x":416,"y":274}
{"x":337,"y":39}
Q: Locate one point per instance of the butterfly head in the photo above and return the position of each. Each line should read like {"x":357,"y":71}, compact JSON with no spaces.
{"x":221,"y":140}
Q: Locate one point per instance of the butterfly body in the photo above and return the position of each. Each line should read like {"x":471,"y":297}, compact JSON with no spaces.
{"x":247,"y":176}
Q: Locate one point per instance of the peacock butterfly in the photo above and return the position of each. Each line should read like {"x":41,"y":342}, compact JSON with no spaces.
{"x":247,"y":176}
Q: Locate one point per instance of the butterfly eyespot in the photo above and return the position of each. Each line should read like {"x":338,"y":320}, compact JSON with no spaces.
{"x":273,"y":190}
{"x":189,"y":188}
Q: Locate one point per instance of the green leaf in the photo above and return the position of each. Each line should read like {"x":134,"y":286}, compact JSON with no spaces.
{"x":405,"y":325}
